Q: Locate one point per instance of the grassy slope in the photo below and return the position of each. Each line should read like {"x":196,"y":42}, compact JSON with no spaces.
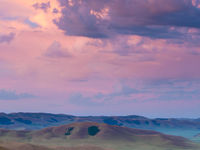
{"x":181,"y":127}
{"x":109,"y":138}
{"x":2,"y":148}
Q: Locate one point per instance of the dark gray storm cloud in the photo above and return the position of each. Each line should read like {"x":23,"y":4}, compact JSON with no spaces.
{"x":152,"y":18}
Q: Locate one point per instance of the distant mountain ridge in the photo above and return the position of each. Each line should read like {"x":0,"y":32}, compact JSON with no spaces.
{"x":41,"y":120}
{"x":35,"y":121}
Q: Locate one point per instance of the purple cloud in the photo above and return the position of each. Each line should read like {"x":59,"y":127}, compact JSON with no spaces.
{"x":100,"y":19}
{"x":43,"y":6}
{"x":7,"y":38}
{"x":55,"y":11}
{"x":55,"y":51}
{"x":12,"y":95}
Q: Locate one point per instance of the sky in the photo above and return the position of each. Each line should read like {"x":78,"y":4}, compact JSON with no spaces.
{"x":100,"y":57}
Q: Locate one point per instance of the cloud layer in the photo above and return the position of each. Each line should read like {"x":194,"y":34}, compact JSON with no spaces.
{"x":6,"y":38}
{"x":100,"y":57}
{"x":100,"y":19}
{"x":11,"y":95}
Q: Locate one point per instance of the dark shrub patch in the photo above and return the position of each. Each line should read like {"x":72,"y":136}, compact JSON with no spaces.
{"x":5,"y":121}
{"x":136,"y":122}
{"x":53,"y":120}
{"x":155,"y":123}
{"x":147,"y":122}
{"x":110,"y":121}
{"x":93,"y":130}
{"x":23,"y":121}
{"x":69,"y":130}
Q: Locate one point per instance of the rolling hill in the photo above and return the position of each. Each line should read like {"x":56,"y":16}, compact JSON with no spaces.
{"x":2,"y":148}
{"x":89,"y":135}
{"x":34,"y":121}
